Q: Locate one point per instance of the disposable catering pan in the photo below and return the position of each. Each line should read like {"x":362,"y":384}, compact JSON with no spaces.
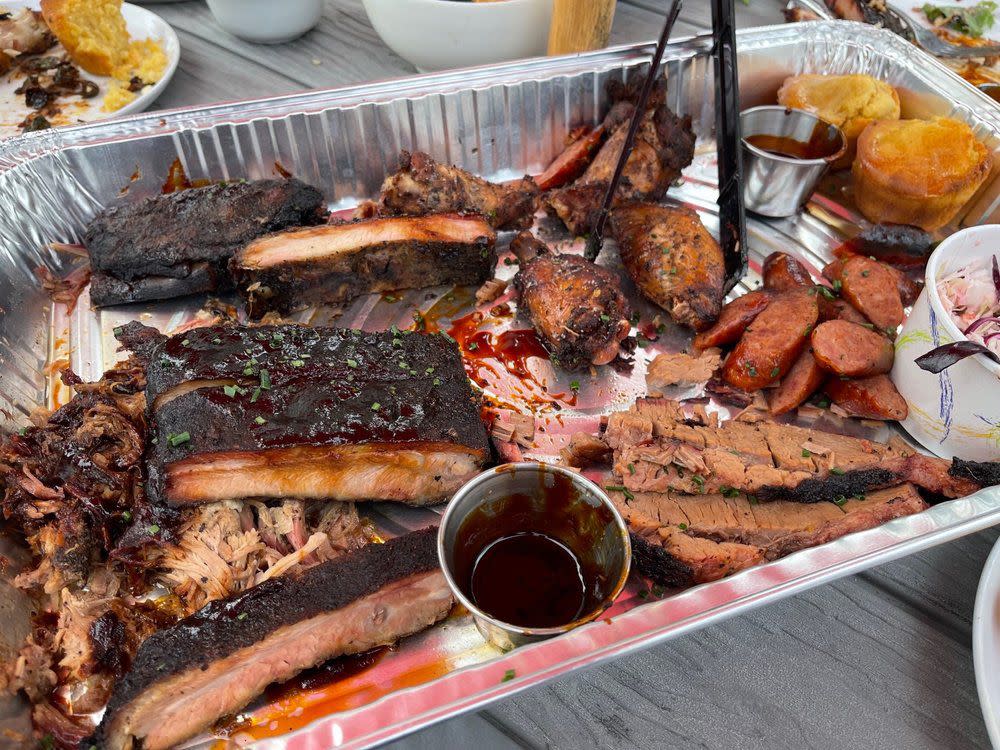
{"x":501,"y":122}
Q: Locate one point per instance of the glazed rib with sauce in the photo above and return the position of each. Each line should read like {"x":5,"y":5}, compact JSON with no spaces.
{"x":178,"y":244}
{"x":424,"y":186}
{"x":336,"y":263}
{"x":214,"y":662}
{"x":314,"y":413}
{"x":659,"y":448}
{"x":682,"y":540}
{"x":673,"y":260}
{"x":576,"y":307}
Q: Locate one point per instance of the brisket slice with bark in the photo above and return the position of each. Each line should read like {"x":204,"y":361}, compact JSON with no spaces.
{"x":313,"y":413}
{"x":214,"y":662}
{"x":682,"y":540}
{"x":177,"y":244}
{"x":658,"y":448}
{"x":331,"y":264}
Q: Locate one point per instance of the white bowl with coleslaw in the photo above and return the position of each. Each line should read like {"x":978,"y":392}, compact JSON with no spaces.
{"x":957,"y":411}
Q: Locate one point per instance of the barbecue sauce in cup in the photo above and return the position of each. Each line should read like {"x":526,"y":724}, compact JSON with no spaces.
{"x":532,"y":559}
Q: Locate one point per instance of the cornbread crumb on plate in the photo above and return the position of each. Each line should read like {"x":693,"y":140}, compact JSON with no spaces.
{"x":137,"y":48}
{"x":97,"y":39}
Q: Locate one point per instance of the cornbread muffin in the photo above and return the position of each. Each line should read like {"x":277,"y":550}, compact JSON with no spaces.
{"x":92,"y":31}
{"x":850,"y":102}
{"x":918,"y":172}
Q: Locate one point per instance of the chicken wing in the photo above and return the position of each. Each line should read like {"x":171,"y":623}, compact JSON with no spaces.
{"x":673,"y":260}
{"x":664,"y":146}
{"x":423,"y":186}
{"x":576,"y":307}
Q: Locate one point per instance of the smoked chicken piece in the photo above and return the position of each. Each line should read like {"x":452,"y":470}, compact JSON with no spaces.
{"x":335,"y":263}
{"x":314,"y":413}
{"x":673,"y":260}
{"x":424,"y":186}
{"x":664,"y":146}
{"x":576,"y":157}
{"x":22,"y":32}
{"x":181,"y":243}
{"x":214,"y":662}
{"x":576,"y":307}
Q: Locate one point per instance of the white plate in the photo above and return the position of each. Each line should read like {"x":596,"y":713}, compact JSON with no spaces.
{"x":141,"y":24}
{"x":986,"y":644}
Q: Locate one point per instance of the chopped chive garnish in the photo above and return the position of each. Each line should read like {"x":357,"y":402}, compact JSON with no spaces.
{"x":508,"y":675}
{"x":376,"y":406}
{"x":127,"y":515}
{"x":260,"y":420}
{"x":836,"y":471}
{"x":185,"y":342}
{"x":230,"y":390}
{"x":806,"y":453}
{"x":643,"y":594}
{"x":216,"y":340}
{"x":605,"y":318}
{"x":297,"y":363}
{"x":248,"y":370}
{"x":241,"y":616}
{"x":473,"y":346}
{"x":620,"y":488}
{"x":255,"y":396}
{"x":179,"y":439}
{"x":352,"y":363}
{"x":840,"y":500}
{"x":265,"y":380}
{"x":682,"y":526}
{"x":153,"y":529}
{"x":574,"y":385}
{"x":775,"y":372}
{"x":631,"y":468}
{"x":437,"y":381}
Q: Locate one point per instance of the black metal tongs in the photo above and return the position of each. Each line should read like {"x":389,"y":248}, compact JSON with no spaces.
{"x":732,"y":217}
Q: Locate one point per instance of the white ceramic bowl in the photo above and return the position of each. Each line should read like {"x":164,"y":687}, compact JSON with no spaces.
{"x":442,"y":34}
{"x":956,"y":412}
{"x":267,"y":21}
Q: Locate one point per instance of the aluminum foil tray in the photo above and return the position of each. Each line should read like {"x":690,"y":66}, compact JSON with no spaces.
{"x":500,"y":122}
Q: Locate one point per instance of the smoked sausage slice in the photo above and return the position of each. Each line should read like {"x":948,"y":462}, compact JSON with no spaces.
{"x":733,"y":320}
{"x":851,"y":350}
{"x":773,"y":341}
{"x":874,"y":397}
{"x":804,"y":379}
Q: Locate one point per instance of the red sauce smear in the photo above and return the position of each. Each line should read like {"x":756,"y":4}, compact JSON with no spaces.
{"x":510,"y":349}
{"x":338,"y":685}
{"x":177,"y":179}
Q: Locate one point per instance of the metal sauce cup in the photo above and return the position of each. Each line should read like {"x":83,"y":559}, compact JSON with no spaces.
{"x":522,"y":496}
{"x":778,"y":185}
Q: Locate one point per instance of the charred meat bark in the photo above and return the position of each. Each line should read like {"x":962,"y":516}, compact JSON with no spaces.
{"x":214,"y":662}
{"x":663,"y":147}
{"x":673,"y":260}
{"x":659,"y":448}
{"x":177,"y":244}
{"x":315,"y":413}
{"x":424,"y":186}
{"x":682,"y":540}
{"x":332,"y":264}
{"x":576,"y":307}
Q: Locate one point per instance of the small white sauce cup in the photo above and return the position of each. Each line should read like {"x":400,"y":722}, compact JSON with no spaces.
{"x":267,"y":21}
{"x":956,"y":412}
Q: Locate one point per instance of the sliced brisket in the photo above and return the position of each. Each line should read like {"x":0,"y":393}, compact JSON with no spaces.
{"x":658,"y":448}
{"x":681,"y":540}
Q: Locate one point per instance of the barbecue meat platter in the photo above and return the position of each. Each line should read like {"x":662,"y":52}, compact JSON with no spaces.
{"x":198,"y":520}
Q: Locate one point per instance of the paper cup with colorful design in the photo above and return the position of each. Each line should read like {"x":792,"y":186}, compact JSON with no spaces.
{"x":957,"y":411}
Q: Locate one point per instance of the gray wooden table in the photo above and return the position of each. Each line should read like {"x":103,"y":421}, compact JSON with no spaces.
{"x":879,"y":660}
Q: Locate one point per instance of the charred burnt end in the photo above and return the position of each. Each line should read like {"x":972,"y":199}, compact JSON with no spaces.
{"x":142,"y":340}
{"x":659,"y":565}
{"x":181,"y":243}
{"x":983,"y":473}
{"x":846,"y":485}
{"x":226,"y":626}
